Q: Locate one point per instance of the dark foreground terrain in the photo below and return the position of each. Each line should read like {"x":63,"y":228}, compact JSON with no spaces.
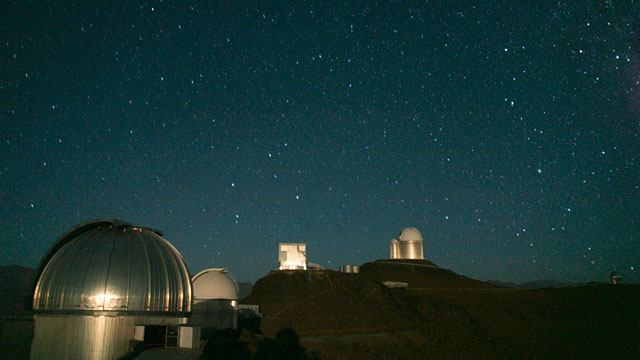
{"x":442,"y":315}
{"x":16,"y":323}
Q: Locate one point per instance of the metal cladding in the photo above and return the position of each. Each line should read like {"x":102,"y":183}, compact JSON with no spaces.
{"x":109,"y":265}
{"x":394,"y":249}
{"x":88,"y":337}
{"x":214,"y":284}
{"x":408,"y":245}
{"x":98,"y":281}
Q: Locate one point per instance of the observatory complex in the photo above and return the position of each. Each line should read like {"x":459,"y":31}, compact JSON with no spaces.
{"x":292,"y":256}
{"x":106,"y":284}
{"x":408,"y":245}
{"x":97,"y":282}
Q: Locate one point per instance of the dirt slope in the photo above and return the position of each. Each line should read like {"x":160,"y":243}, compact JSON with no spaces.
{"x":323,"y":306}
{"x":445,"y":316}
{"x":418,"y":274}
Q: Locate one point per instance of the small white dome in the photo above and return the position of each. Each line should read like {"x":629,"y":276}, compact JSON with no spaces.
{"x":410,"y":234}
{"x":213,"y":284}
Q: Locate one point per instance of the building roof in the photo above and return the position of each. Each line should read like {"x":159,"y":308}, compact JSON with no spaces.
{"x":111,"y":265}
{"x":410,"y":234}
{"x":213,"y":284}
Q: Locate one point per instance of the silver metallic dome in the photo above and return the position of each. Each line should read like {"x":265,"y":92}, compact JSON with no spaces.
{"x":110,"y":265}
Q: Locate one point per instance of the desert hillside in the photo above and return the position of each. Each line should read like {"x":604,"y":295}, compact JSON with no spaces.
{"x":418,"y":274}
{"x":443,"y":315}
{"x":440,"y":315}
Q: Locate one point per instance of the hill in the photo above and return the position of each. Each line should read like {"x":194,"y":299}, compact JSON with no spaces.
{"x":536,"y":284}
{"x":244,"y":289}
{"x":15,"y":288}
{"x":591,"y":322}
{"x":349,"y":316}
{"x":16,"y":325}
{"x":418,"y":274}
{"x":443,"y":315}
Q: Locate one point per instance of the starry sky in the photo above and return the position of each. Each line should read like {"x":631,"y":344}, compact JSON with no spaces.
{"x":507,"y":132}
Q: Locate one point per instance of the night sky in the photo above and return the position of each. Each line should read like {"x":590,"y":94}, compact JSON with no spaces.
{"x":507,"y":132}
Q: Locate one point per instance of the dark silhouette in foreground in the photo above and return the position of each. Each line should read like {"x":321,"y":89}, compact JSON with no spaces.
{"x":242,"y":345}
{"x":226,"y":345}
{"x":285,"y":346}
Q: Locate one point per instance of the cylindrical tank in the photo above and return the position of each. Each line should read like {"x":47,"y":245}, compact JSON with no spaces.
{"x":349,"y":269}
{"x":410,"y":250}
{"x":97,"y":282}
{"x":394,"y":249}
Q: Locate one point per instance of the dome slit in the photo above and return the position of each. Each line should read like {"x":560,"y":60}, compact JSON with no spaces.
{"x":149,"y":291}
{"x":106,"y":278}
{"x":83,"y":296}
{"x":128,"y":277}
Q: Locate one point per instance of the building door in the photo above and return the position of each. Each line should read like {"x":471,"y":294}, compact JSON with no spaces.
{"x":154,"y":335}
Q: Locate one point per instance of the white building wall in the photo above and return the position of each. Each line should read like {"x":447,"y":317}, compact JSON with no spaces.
{"x":292,"y":256}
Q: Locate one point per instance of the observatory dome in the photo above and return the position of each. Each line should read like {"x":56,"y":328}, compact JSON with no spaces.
{"x":410,"y":234}
{"x":110,"y":265}
{"x":408,"y":245}
{"x":212,"y":284}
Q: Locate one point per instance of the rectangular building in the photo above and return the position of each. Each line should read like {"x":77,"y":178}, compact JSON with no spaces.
{"x":293,"y":256}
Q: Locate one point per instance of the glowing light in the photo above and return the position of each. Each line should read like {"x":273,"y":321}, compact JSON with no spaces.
{"x":104,"y":301}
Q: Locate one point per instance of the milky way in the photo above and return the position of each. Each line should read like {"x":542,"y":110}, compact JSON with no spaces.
{"x":508,"y":133}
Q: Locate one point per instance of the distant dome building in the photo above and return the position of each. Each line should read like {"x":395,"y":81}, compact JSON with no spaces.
{"x":97,"y":282}
{"x":215,"y":301}
{"x":615,"y":277}
{"x":408,"y":245}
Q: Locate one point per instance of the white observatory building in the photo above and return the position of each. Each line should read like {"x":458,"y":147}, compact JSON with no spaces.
{"x":100,"y":283}
{"x":292,"y":256}
{"x":215,"y":301}
{"x":408,"y":245}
